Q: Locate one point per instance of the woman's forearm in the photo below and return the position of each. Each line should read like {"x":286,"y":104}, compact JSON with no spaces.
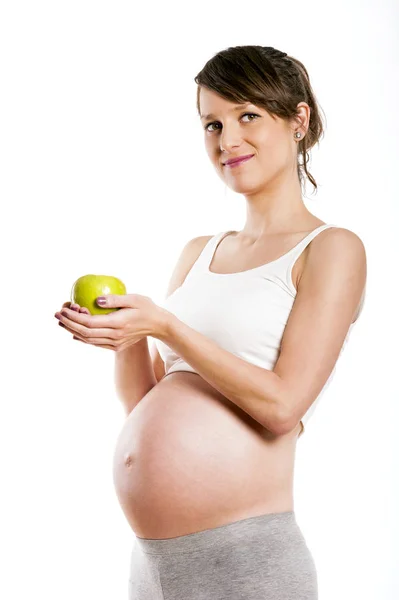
{"x":134,"y":374}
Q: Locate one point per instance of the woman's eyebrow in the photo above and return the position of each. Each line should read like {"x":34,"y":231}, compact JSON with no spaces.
{"x":212,"y":116}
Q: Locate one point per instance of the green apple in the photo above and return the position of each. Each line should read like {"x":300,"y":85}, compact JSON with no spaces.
{"x":88,"y":288}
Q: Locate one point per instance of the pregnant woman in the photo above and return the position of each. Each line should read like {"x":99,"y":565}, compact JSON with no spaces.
{"x":245,"y":343}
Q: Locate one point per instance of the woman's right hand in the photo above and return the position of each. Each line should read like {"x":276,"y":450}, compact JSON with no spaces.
{"x":81,"y":309}
{"x":76,"y":307}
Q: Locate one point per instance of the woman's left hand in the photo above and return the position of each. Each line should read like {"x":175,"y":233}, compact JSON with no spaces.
{"x":138,"y":316}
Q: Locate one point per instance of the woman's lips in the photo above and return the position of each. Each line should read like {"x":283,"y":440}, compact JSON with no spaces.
{"x":238,"y":162}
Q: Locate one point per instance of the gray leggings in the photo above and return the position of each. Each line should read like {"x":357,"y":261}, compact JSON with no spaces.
{"x":259,"y":558}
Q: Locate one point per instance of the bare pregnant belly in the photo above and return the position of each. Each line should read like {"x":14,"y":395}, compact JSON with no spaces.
{"x":188,"y":459}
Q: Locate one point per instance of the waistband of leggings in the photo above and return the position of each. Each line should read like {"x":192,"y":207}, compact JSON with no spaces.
{"x":238,"y":530}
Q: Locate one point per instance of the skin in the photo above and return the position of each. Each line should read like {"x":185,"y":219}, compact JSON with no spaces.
{"x":270,"y":185}
{"x":269,"y":181}
{"x":78,"y":309}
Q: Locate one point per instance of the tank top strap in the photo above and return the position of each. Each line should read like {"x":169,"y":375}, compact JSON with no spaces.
{"x":285,"y":264}
{"x":294,"y":253}
{"x":202,"y":263}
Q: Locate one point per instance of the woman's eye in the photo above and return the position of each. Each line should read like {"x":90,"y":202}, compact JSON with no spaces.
{"x":244,"y":115}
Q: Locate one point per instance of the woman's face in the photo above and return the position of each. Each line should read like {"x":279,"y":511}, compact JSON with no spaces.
{"x":231,"y":130}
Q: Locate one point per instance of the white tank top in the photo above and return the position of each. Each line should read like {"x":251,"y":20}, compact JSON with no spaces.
{"x":223,"y":307}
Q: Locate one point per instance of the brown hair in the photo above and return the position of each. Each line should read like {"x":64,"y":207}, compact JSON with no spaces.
{"x":270,"y":79}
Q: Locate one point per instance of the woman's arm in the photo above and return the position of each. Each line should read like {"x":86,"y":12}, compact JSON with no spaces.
{"x":134,"y":374}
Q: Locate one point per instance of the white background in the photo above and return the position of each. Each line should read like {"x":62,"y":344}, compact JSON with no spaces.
{"x":104,"y":170}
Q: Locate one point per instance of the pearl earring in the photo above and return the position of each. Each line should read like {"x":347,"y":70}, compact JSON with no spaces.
{"x":297,"y":135}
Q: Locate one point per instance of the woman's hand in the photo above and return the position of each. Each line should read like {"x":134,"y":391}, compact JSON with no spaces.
{"x":137,"y":318}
